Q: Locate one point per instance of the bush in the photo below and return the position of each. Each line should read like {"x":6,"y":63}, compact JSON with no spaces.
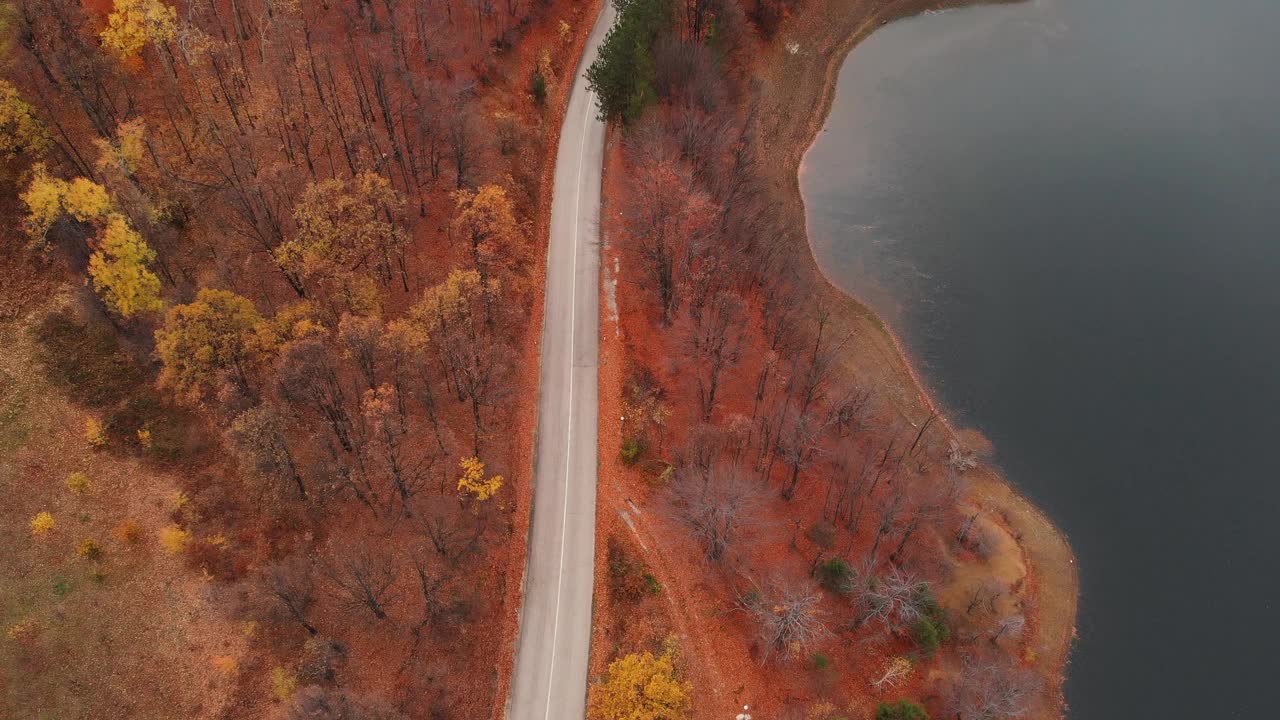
{"x":41,"y":523}
{"x":651,"y":584}
{"x":538,"y":87}
{"x":628,"y":579}
{"x":128,"y":532}
{"x":89,"y":549}
{"x":77,"y":482}
{"x":174,"y":539}
{"x":931,"y":631}
{"x":926,"y":634}
{"x":632,"y":448}
{"x":837,"y":576}
{"x":900,"y":710}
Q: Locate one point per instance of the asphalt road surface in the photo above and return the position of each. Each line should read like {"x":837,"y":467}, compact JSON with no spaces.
{"x":550,"y":681}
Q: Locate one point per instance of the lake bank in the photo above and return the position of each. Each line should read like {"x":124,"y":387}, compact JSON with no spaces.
{"x":801,"y":72}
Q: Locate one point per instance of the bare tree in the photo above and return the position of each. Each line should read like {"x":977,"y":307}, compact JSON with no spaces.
{"x":363,"y":577}
{"x":449,"y":531}
{"x":788,"y":617}
{"x":893,"y":598}
{"x":713,"y":339}
{"x":666,"y":217}
{"x":259,"y":436}
{"x":292,"y":584}
{"x":320,"y":703}
{"x":361,"y":339}
{"x":991,"y":690}
{"x":714,"y":506}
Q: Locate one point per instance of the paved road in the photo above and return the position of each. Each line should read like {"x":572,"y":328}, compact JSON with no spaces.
{"x":550,"y":681}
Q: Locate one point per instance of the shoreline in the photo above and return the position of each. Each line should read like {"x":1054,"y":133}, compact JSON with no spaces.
{"x":824,"y":34}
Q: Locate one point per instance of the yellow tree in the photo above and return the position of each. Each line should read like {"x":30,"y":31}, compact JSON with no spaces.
{"x":124,"y":152}
{"x":346,"y":234}
{"x":20,"y":131}
{"x":213,"y":336}
{"x":473,"y":480}
{"x":453,"y":315}
{"x":49,"y":198}
{"x":134,"y":23}
{"x":486,"y":218}
{"x":119,"y":270}
{"x":640,"y":687}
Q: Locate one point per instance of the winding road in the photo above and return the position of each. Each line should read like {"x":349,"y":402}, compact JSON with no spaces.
{"x":550,"y":677}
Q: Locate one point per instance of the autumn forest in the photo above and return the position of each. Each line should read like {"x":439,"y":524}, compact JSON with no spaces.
{"x":271,"y":300}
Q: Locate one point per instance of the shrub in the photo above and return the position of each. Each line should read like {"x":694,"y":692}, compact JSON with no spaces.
{"x":837,"y":576}
{"x":283,"y":683}
{"x":900,"y":710}
{"x":651,"y":584}
{"x":631,"y":451}
{"x":538,"y":87}
{"x":931,"y":631}
{"x":174,"y":539}
{"x":94,"y":433}
{"x":62,"y":588}
{"x":41,"y":523}
{"x":89,"y":549}
{"x":77,"y":482}
{"x":128,"y":532}
{"x":628,"y":580}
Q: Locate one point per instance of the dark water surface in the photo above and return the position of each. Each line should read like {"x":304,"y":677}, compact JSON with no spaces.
{"x":1071,"y":211}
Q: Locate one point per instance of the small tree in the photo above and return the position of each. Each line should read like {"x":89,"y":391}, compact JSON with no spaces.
{"x":42,"y":523}
{"x":119,"y":270}
{"x":20,"y":131}
{"x":474,"y":482}
{"x":789,"y":619}
{"x":640,"y":687}
{"x":202,"y":340}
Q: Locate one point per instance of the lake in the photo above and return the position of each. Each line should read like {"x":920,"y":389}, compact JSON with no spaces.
{"x":1070,"y":209}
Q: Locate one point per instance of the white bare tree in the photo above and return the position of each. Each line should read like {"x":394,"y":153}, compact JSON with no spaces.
{"x":788,"y":616}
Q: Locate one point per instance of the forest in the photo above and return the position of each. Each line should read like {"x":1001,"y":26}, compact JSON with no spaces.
{"x":801,"y":535}
{"x":269,"y":341}
{"x":269,"y":284}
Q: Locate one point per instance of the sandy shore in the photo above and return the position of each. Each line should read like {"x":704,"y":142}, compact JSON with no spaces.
{"x":799,"y":75}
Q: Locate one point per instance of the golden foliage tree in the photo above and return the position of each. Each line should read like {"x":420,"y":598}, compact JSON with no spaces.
{"x":454,"y":315}
{"x":215,"y":334}
{"x":42,"y":523}
{"x":346,"y":236}
{"x":20,"y":131}
{"x":134,"y":23}
{"x":486,"y":218}
{"x":119,"y":270}
{"x":125,"y":151}
{"x":640,"y":687}
{"x":473,"y":480}
{"x":49,"y":198}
